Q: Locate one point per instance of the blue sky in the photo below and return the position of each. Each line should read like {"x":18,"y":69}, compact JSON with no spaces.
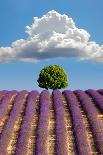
{"x":15,"y":15}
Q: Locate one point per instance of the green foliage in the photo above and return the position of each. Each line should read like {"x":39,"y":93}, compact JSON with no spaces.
{"x":52,"y":77}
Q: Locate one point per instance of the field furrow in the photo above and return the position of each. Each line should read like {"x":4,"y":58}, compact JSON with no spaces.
{"x":89,"y":133}
{"x":52,"y":134}
{"x":32,"y":142}
{"x":70,"y":137}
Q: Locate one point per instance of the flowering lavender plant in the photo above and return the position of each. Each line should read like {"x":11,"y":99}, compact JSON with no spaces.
{"x":96,"y":125}
{"x":4,"y":103}
{"x":100,"y":91}
{"x":98,"y":99}
{"x":43,"y":124}
{"x":25,"y":132}
{"x":8,"y":129}
{"x":79,"y":128}
{"x":60,"y":124}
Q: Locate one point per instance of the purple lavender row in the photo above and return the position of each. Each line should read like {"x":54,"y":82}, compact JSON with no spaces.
{"x":98,"y":99}
{"x":79,"y":128}
{"x":2,"y":94}
{"x":95,"y":124}
{"x":43,"y":125}
{"x":8,"y":129}
{"x":60,"y":124}
{"x":100,"y":91}
{"x":4,"y":104}
{"x":22,"y":146}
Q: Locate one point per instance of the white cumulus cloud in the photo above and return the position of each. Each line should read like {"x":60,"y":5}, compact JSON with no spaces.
{"x":53,"y":35}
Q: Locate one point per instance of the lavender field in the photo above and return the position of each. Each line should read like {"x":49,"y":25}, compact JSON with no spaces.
{"x":67,"y":123}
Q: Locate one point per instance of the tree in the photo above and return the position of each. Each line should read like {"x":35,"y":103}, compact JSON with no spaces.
{"x":52,"y":77}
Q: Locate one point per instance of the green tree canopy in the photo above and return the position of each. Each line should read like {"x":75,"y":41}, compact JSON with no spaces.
{"x":52,"y":77}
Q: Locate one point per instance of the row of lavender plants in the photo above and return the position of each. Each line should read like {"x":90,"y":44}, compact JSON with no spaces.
{"x":8,"y":128}
{"x":5,"y":102}
{"x":98,"y":98}
{"x":43,"y":125}
{"x":100,"y":91}
{"x":79,"y":128}
{"x":22,"y":145}
{"x":3,"y":92}
{"x":60,"y":124}
{"x":92,"y":115}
